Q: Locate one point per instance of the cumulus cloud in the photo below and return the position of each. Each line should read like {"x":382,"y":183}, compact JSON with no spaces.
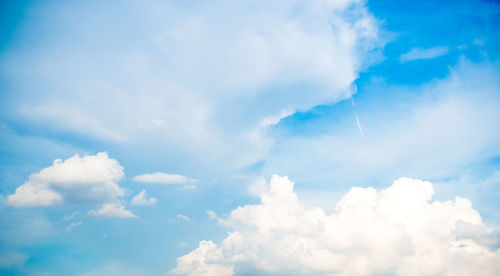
{"x":394,"y":231}
{"x":112,"y":210}
{"x":90,"y":178}
{"x":419,"y":53}
{"x":142,"y":199}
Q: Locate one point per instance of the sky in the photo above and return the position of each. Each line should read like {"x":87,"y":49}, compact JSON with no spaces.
{"x":216,"y":138}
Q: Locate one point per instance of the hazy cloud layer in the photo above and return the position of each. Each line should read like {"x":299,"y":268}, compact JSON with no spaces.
{"x":256,"y":61}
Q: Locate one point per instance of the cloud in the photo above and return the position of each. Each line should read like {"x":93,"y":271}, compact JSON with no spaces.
{"x":394,"y":231}
{"x":183,"y":217}
{"x":200,"y":262}
{"x":419,"y":53}
{"x":162,"y":178}
{"x":86,"y":179}
{"x":432,"y":131}
{"x":244,"y":77}
{"x":257,"y":186}
{"x":211,"y":214}
{"x":73,"y":225}
{"x":112,"y":210}
{"x":142,"y":199}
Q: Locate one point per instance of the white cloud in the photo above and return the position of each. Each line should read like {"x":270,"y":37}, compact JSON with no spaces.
{"x":90,"y":178}
{"x":242,"y":78}
{"x":394,"y":231}
{"x":114,"y":210}
{"x":142,"y":199}
{"x":433,"y":131}
{"x":419,"y":53}
{"x":211,"y":214}
{"x":162,"y":178}
{"x":203,"y":262}
{"x":183,"y":217}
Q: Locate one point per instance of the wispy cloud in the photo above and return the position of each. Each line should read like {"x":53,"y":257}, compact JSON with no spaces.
{"x":184,"y":217}
{"x":162,"y":178}
{"x":420,"y":53}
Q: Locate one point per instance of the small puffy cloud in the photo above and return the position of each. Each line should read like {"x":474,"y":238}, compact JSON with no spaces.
{"x":114,"y":210}
{"x":394,"y":231}
{"x":183,"y":217}
{"x":143,"y":199}
{"x":90,"y":178}
{"x":162,"y":178}
{"x":419,"y":53}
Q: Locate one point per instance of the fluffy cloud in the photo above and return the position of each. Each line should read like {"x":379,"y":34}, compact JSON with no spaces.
{"x":86,"y":179}
{"x":112,"y":210}
{"x":394,"y":231}
{"x":142,"y":199}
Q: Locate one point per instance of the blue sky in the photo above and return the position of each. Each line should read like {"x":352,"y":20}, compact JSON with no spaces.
{"x":200,"y":103}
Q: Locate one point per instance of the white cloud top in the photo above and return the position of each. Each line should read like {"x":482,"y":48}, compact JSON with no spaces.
{"x":142,"y":199}
{"x":394,"y":231}
{"x":86,"y":179}
{"x":162,"y":178}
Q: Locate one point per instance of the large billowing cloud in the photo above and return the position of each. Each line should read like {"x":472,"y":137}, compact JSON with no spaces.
{"x":394,"y":231}
{"x":78,"y":179}
{"x":181,"y":77}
